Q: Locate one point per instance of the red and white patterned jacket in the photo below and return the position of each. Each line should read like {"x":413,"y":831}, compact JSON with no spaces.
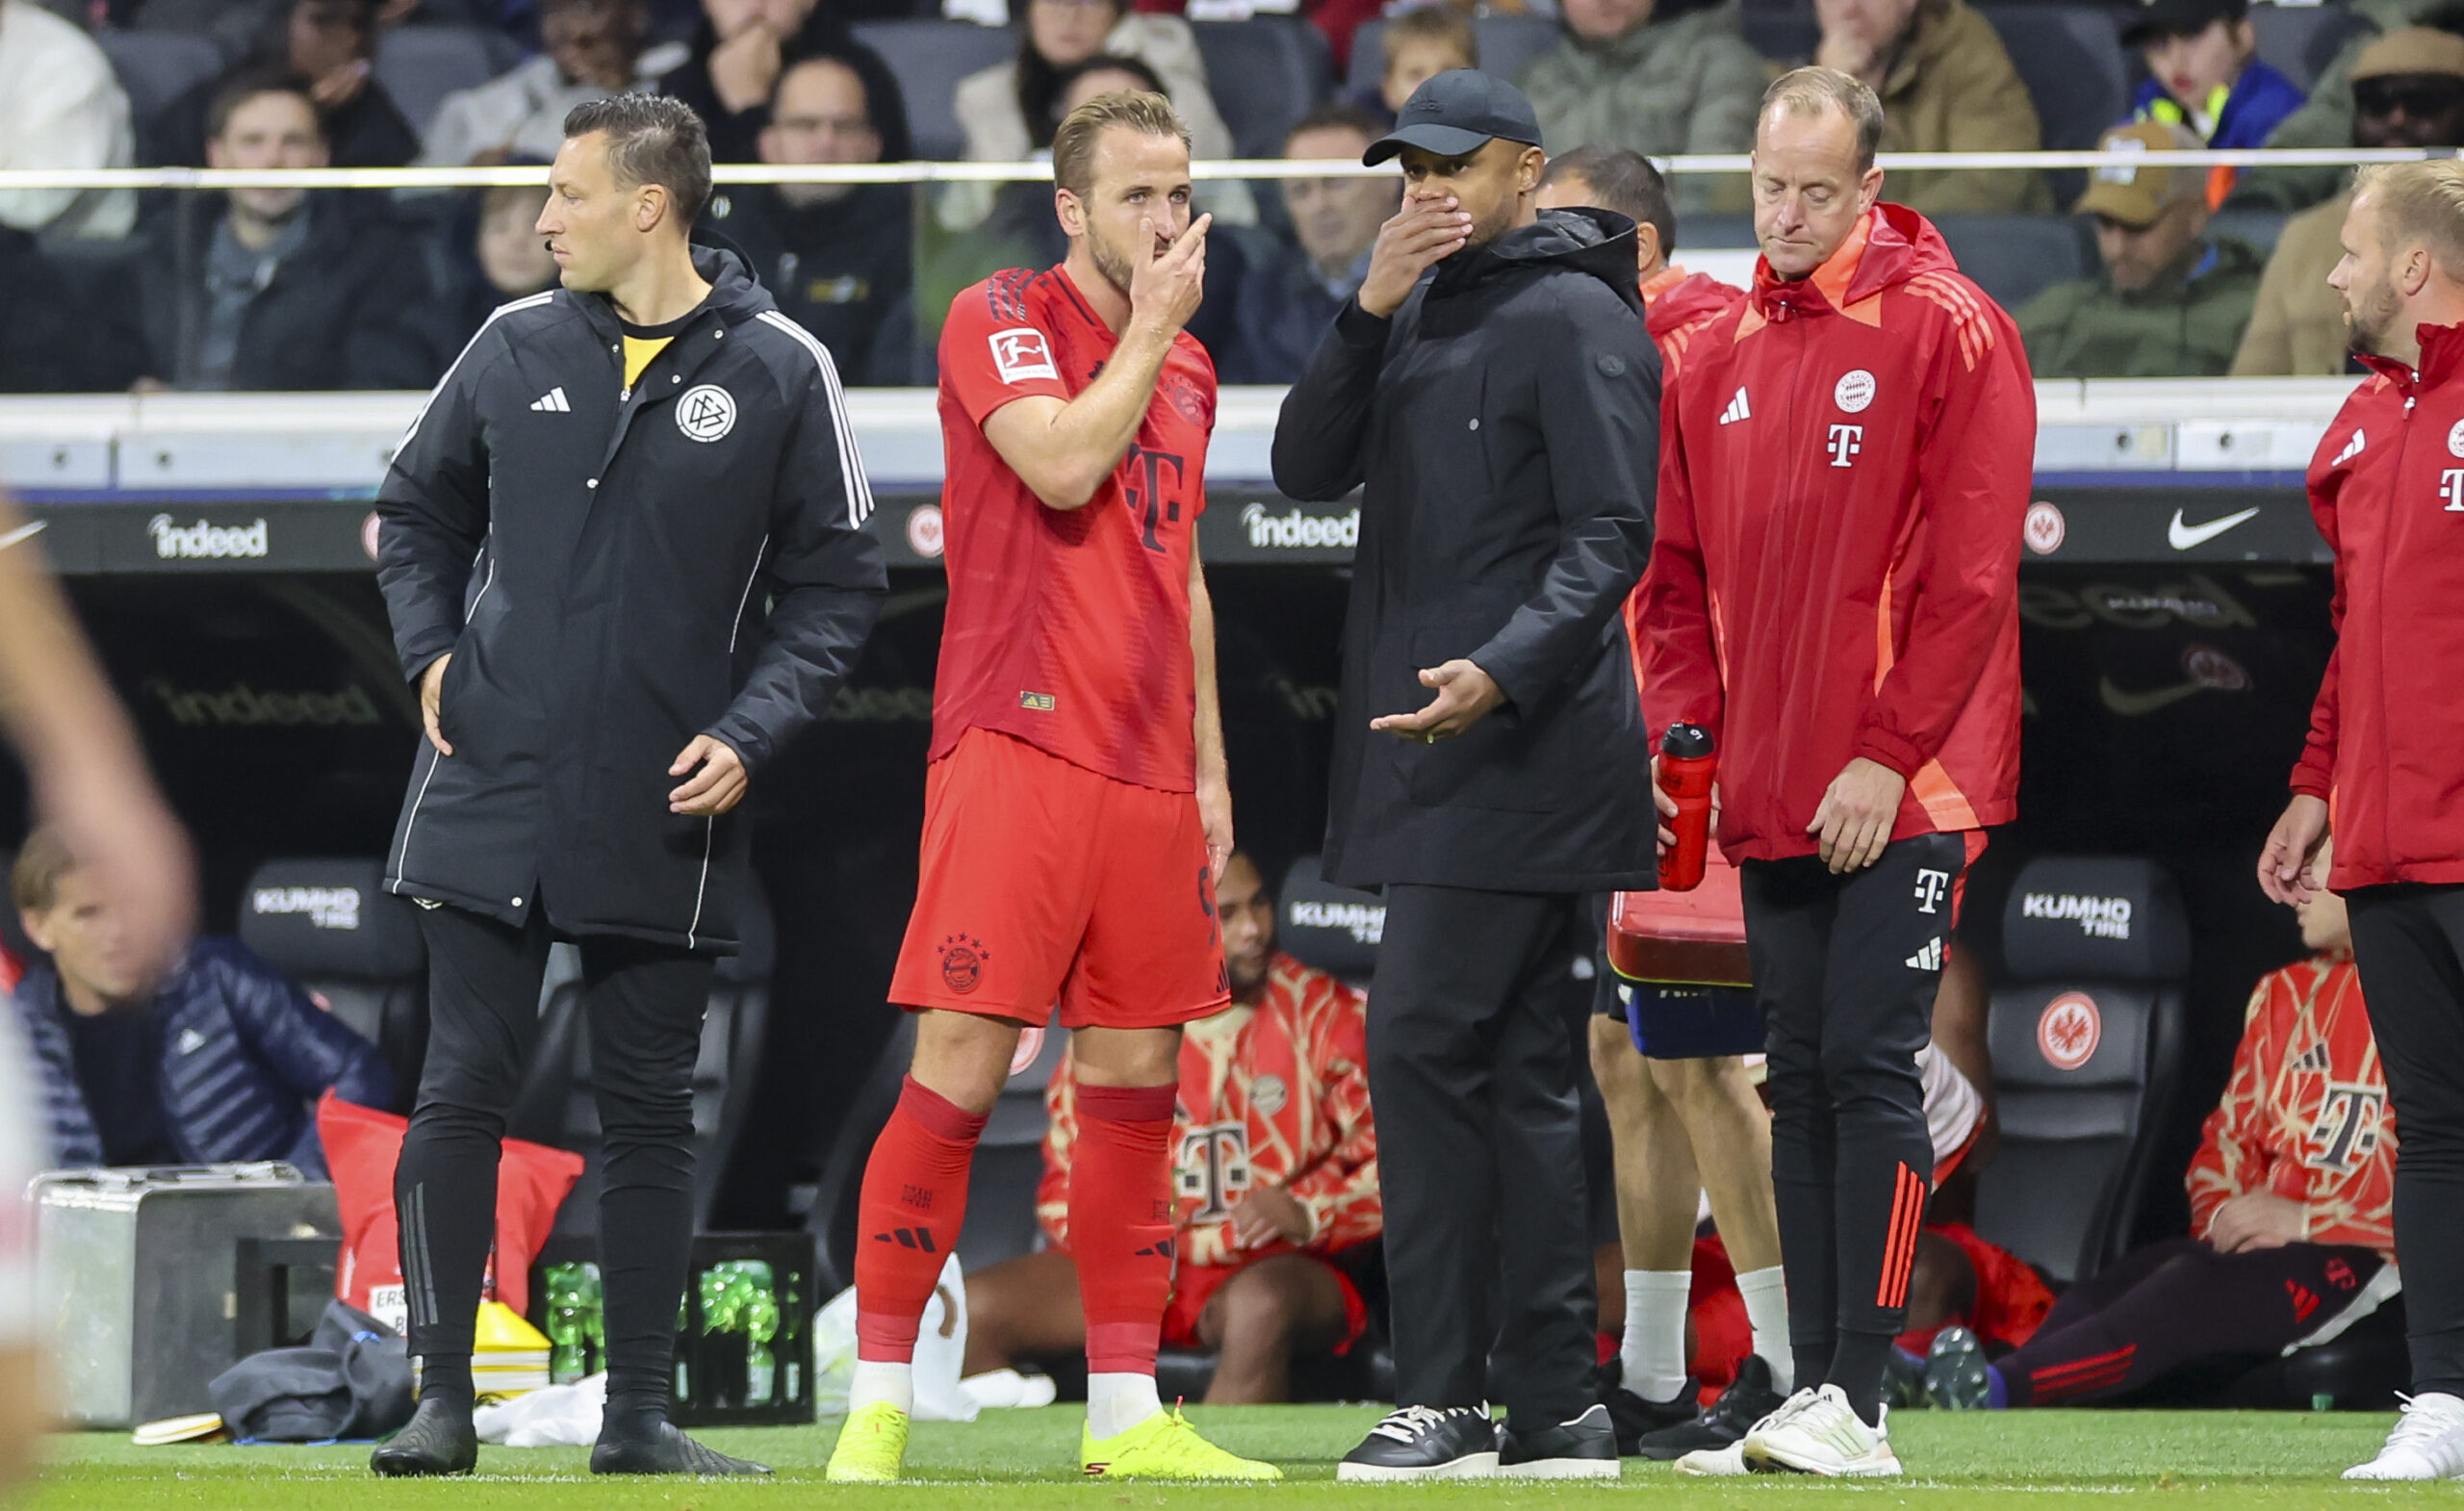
{"x":1276,"y":1094}
{"x":2305,"y":1113}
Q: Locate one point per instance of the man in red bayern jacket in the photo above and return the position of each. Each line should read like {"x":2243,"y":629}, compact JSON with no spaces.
{"x":1834,"y":593}
{"x":2386,"y":749}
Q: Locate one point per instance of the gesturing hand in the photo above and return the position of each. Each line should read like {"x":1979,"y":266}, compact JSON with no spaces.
{"x":2292,"y":849}
{"x":1165,"y":286}
{"x":432,"y":702}
{"x":1465,"y":695}
{"x":1854,"y":820}
{"x":1421,"y":231}
{"x":717,"y":788}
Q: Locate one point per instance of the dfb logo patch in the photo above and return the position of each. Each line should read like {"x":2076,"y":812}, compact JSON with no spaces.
{"x":706,"y":413}
{"x":1021,"y":352}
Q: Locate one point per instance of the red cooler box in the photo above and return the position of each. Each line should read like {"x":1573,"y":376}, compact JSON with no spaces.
{"x":1693,"y":938}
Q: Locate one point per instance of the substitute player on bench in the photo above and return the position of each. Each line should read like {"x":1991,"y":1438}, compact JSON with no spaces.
{"x":1076,"y":816}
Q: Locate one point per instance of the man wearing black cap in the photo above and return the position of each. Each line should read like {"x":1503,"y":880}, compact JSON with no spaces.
{"x":1493,"y":385}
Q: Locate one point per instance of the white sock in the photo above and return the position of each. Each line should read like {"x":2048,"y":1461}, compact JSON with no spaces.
{"x":1766,"y":1308}
{"x":1119,"y":1402}
{"x":881,"y":1381}
{"x":1654,"y":1351}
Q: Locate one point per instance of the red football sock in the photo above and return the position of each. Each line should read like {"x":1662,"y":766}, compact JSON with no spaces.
{"x":1121,"y":1222}
{"x":908,"y":1218}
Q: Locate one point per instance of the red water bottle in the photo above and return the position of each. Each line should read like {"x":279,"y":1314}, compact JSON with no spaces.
{"x":1686,"y":765}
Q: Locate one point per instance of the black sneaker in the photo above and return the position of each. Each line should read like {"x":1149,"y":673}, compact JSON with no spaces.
{"x":665,"y":1452}
{"x":437,"y":1440}
{"x":1634,"y":1417}
{"x":1955,"y":1376}
{"x":1426,"y":1443}
{"x":1584,"y":1449}
{"x":1904,"y":1380}
{"x":1747,"y":1400}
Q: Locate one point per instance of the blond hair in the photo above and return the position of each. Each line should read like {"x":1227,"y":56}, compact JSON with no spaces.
{"x":33,"y":882}
{"x":2419,"y":203}
{"x":1073,"y":145}
{"x":1434,"y":23}
{"x":1812,"y":91}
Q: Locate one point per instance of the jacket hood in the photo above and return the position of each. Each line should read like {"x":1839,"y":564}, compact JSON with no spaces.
{"x":1598,"y":242}
{"x":2442,"y":357}
{"x":1893,"y":244}
{"x":735,"y":295}
{"x":1676,"y":299}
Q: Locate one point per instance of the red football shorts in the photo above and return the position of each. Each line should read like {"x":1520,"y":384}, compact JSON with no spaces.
{"x":1044,"y":881}
{"x":1193,"y":1286}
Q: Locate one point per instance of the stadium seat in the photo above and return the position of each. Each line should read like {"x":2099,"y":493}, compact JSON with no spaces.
{"x":2014,"y":258}
{"x":420,"y":66}
{"x":2071,"y":58}
{"x":930,"y":57}
{"x":333,"y":929}
{"x":556,"y":1105}
{"x":831,"y":1221}
{"x":2300,"y":41}
{"x":154,"y":68}
{"x":1508,"y":44}
{"x":2087,"y":1041}
{"x":1332,"y":927}
{"x":1266,"y":74}
{"x":1789,"y":36}
{"x":2260,"y":227}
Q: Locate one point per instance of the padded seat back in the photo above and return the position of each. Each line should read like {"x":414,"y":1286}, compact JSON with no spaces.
{"x":2086,"y":1049}
{"x":1509,"y":45}
{"x":930,"y":57}
{"x":333,"y":929}
{"x":1333,"y":928}
{"x":1264,"y":74}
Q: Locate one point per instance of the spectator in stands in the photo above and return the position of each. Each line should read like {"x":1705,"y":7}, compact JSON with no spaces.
{"x":2203,"y":72}
{"x":2326,"y":119}
{"x":1276,"y":1175}
{"x":1419,"y":44}
{"x":1003,"y":109}
{"x":1289,"y":300}
{"x":593,"y":49}
{"x":2292,"y":1229}
{"x":837,"y":257}
{"x":61,"y":107}
{"x":287,"y":289}
{"x":1655,"y":76}
{"x":1946,"y":85}
{"x":331,"y":43}
{"x":222,"y":1060}
{"x":494,"y":257}
{"x":2171,"y":300}
{"x":739,"y":53}
{"x":2408,"y":91}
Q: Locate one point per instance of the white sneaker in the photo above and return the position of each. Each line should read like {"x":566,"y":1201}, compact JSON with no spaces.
{"x":1822,"y":1436}
{"x":1724,"y":1461}
{"x":2428,"y":1442}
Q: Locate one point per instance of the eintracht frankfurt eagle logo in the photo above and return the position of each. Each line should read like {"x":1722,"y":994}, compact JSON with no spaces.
{"x":706,"y":413}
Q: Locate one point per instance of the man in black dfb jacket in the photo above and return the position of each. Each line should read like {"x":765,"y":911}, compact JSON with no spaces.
{"x":622,"y":547}
{"x":1494,"y":385}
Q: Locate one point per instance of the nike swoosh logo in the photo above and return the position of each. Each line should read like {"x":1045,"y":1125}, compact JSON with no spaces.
{"x":2182,"y":537}
{"x":2130,"y":705}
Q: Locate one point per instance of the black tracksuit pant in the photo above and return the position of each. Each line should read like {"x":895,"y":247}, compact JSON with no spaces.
{"x":643,"y":1004}
{"x":2408,"y":942}
{"x":1480,"y":1149}
{"x":1845,"y":968}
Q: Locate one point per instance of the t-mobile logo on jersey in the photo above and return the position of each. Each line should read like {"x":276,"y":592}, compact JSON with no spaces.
{"x":1931,"y":887}
{"x":2451,"y":487}
{"x":1846,"y":441}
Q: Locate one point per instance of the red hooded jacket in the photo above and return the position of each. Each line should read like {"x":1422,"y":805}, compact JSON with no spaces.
{"x":1843,"y":473}
{"x":1676,"y":304}
{"x":2386,"y":746}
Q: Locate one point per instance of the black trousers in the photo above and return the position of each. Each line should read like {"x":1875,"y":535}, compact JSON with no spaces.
{"x":1845,"y":968}
{"x":644,"y":1004}
{"x":2407,"y":941}
{"x":2173,"y":1303}
{"x":1472,"y":1070}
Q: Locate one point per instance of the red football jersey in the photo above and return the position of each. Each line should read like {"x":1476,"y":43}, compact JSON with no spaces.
{"x":1068,"y":628}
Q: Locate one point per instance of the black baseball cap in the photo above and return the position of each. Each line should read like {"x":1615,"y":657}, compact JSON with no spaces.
{"x":1459,"y":112}
{"x":2151,"y":19}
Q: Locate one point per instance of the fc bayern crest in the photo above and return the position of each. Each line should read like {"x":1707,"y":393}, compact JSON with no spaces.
{"x":706,"y":413}
{"x":1854,"y":392}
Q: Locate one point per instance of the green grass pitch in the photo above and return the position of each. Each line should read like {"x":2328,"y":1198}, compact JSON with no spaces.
{"x":1026,"y":1460}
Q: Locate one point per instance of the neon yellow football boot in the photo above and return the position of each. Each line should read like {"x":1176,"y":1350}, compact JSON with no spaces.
{"x":1164,"y":1447}
{"x":872,"y":1446}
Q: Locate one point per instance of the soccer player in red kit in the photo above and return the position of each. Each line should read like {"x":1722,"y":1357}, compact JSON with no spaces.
{"x":1076,"y":817}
